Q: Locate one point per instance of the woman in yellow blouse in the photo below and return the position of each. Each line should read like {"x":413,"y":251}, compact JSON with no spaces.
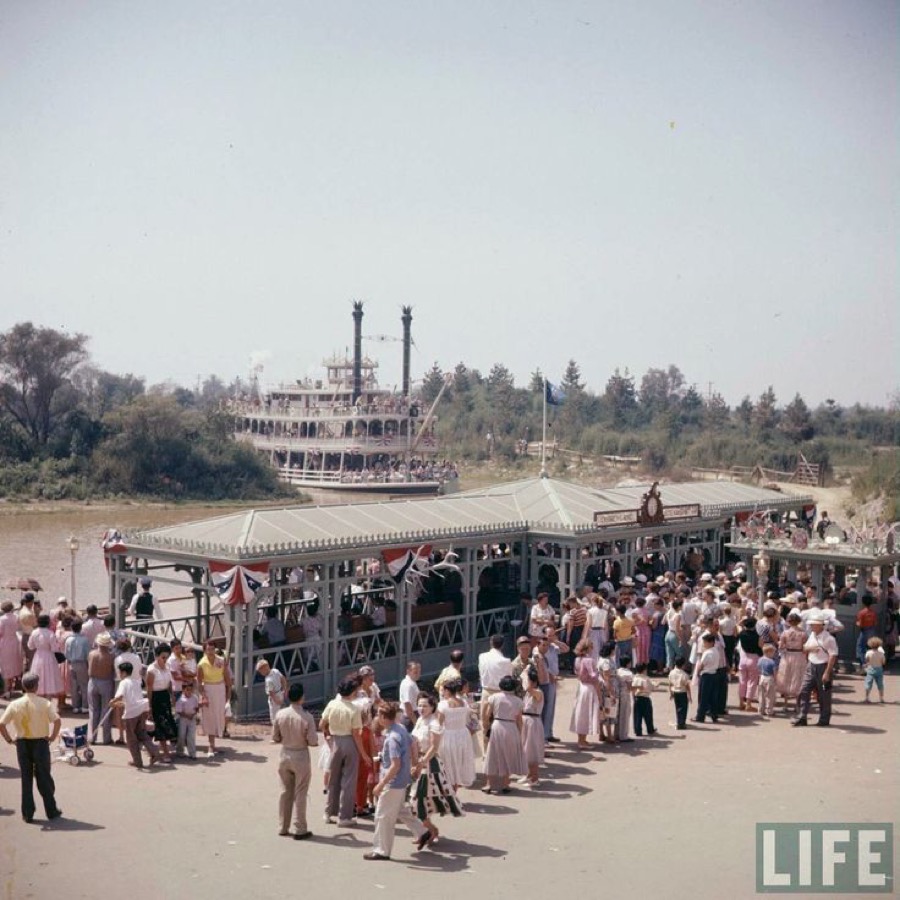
{"x":214,"y":683}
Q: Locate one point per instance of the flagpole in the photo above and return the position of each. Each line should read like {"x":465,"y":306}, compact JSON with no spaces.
{"x":544,"y":436}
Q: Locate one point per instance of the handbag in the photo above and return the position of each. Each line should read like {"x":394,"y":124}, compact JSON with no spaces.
{"x":60,"y":657}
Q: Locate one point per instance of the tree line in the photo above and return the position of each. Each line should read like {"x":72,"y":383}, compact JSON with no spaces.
{"x":71,"y":430}
{"x":659,"y":417}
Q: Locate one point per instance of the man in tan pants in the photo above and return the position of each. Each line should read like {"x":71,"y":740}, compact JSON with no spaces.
{"x":295,"y":729}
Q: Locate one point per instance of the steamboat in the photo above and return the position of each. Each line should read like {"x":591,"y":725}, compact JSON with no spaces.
{"x":344,"y":432}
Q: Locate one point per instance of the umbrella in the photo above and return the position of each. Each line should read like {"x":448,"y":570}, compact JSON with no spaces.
{"x":22,"y":584}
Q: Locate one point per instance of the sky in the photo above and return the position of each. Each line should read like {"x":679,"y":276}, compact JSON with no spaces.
{"x":202,"y":187}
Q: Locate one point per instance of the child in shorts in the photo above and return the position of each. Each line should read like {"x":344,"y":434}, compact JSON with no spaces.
{"x":875,"y":667}
{"x":768,"y":669}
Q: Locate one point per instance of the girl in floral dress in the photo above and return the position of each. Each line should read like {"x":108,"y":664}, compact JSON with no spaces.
{"x":432,"y":791}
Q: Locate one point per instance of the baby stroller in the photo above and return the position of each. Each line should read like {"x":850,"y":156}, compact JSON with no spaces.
{"x":71,"y":740}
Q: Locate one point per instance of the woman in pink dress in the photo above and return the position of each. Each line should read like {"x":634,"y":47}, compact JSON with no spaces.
{"x":793,"y":659}
{"x":63,"y":632}
{"x":43,"y":642}
{"x":641,"y":619}
{"x":10,"y":647}
{"x":586,"y":713}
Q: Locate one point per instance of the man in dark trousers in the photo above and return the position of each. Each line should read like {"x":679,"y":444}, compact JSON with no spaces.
{"x":37,"y":725}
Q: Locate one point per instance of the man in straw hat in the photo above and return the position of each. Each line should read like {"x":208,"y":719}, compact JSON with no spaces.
{"x":821,"y":655}
{"x":37,"y":724}
{"x":101,"y":685}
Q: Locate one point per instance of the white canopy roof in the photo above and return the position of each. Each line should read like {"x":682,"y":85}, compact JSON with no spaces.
{"x":542,"y":505}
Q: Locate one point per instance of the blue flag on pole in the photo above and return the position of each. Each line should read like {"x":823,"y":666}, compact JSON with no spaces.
{"x":555,"y":394}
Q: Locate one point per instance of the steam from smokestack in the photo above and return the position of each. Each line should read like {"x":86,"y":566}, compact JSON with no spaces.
{"x":406,"y":319}
{"x":357,"y":349}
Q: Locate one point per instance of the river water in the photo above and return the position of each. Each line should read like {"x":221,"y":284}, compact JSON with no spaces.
{"x":35,"y":544}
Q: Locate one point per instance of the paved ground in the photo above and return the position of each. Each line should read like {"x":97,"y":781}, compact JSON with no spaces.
{"x":670,"y":816}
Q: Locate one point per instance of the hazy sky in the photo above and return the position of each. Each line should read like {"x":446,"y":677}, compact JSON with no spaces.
{"x":714,"y":185}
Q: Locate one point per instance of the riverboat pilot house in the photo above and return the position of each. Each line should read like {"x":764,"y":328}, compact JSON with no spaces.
{"x":319,"y":590}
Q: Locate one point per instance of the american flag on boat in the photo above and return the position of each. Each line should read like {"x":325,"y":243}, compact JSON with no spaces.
{"x":235,"y":583}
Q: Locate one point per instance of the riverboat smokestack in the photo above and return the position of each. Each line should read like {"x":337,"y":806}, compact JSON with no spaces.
{"x":357,"y":349}
{"x":406,"y":319}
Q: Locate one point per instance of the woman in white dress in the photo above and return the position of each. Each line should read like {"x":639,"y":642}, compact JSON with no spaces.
{"x":586,"y":713}
{"x":44,"y":664}
{"x":455,"y":748}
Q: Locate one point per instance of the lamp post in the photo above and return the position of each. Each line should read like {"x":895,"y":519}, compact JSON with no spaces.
{"x":761,"y":565}
{"x":73,"y":549}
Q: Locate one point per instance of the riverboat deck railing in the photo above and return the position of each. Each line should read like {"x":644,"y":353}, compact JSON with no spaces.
{"x":358,"y":445}
{"x":296,"y":411}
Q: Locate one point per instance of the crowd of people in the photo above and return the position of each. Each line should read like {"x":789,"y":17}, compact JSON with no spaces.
{"x":83,"y":664}
{"x":408,"y":761}
{"x":626,"y":645}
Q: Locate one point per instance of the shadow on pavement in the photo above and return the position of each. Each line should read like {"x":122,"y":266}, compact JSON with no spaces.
{"x":482,"y":808}
{"x":65,"y":824}
{"x":549,"y":790}
{"x":452,"y":855}
{"x":857,"y":729}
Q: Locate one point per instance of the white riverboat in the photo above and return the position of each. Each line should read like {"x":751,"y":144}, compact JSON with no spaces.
{"x":344,"y":432}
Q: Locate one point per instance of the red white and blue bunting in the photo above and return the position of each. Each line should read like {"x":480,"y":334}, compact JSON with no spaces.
{"x":238,"y":584}
{"x":399,"y":560}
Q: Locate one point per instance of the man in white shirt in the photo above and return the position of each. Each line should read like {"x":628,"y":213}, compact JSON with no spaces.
{"x":408,"y":695}
{"x":492,"y":666}
{"x":130,"y":699}
{"x":690,"y":611}
{"x":598,"y":625}
{"x":92,"y":625}
{"x":821,"y":654}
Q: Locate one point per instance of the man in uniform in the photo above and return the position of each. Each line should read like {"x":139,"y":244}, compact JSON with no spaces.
{"x":37,"y":724}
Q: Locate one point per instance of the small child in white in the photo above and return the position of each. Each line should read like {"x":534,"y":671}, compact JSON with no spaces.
{"x":768,"y":669}
{"x":875,"y":667}
{"x":186,"y":708}
{"x":276,"y":687}
{"x":680,"y":691}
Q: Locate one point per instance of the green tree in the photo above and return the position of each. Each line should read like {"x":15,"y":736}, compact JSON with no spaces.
{"x":35,"y":365}
{"x":690,"y":407}
{"x":716,"y":413}
{"x":101,"y":392}
{"x":432,"y":384}
{"x":620,"y":396}
{"x":571,"y":381}
{"x":796,"y":421}
{"x":744,"y":411}
{"x":536,"y":384}
{"x":660,"y":388}
{"x":461,"y":379}
{"x":765,"y":413}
